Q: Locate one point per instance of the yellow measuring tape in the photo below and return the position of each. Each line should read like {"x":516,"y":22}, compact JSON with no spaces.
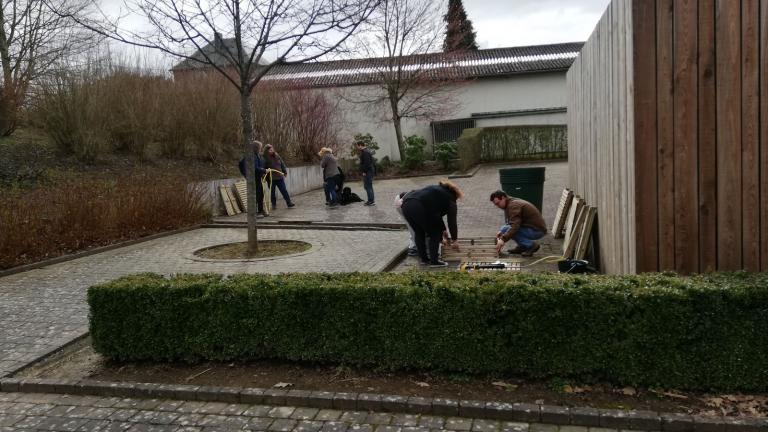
{"x":268,"y":183}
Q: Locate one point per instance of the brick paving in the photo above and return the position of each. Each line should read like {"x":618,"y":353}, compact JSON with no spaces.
{"x":51,"y":412}
{"x":477,"y":215}
{"x":43,"y":309}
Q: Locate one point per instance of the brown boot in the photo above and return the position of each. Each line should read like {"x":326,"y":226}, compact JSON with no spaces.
{"x":532,"y":250}
{"x":516,"y":250}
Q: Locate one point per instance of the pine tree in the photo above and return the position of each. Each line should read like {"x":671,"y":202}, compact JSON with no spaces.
{"x":459,"y":34}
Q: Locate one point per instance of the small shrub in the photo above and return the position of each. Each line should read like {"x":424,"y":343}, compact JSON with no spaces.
{"x":384,"y":165}
{"x":446,"y":153}
{"x":370,"y":143}
{"x":414,"y":152}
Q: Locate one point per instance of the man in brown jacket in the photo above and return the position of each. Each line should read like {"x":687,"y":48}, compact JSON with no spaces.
{"x":524,"y":224}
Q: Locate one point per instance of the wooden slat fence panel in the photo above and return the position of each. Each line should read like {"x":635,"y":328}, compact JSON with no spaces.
{"x":668,"y":134}
{"x":685,"y":194}
{"x":707,"y":133}
{"x":750,"y":126}
{"x":764,"y":135}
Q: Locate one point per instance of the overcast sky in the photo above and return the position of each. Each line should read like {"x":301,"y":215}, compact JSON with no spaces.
{"x":506,"y":23}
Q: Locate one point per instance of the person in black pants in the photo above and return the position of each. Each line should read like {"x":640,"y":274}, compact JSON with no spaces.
{"x":368,"y":170}
{"x":259,"y":170}
{"x":424,"y":209}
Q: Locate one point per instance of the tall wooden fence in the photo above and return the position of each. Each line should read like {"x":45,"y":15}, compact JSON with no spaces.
{"x":668,"y":134}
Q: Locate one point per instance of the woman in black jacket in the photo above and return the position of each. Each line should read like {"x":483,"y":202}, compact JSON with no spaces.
{"x":424,"y":210}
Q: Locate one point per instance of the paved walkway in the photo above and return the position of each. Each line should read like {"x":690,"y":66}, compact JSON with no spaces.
{"x":43,"y":309}
{"x":31,"y":412}
{"x":477,"y":215}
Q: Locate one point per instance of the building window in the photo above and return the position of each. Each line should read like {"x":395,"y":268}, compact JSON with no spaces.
{"x":450,"y":130}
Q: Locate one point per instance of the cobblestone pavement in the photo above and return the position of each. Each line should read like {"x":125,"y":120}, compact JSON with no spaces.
{"x":477,"y":215}
{"x":43,"y":309}
{"x":47,"y":412}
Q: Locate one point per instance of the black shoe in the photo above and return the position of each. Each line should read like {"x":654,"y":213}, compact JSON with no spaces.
{"x":438,"y":263}
{"x":290,"y":205}
{"x":370,"y":203}
{"x":333,"y":205}
{"x":413,"y":252}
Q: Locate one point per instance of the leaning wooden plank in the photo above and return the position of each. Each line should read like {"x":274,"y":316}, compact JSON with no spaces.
{"x":570,"y":245}
{"x":573,"y":214}
{"x":242,"y":194}
{"x":562,"y":213}
{"x":585,"y":234}
{"x":233,"y":200}
{"x":226,"y":200}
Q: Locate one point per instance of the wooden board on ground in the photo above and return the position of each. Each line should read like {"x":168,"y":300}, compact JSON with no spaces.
{"x":226,"y":197}
{"x":570,"y":221}
{"x":585,"y":234}
{"x":558,"y":225}
{"x":478,"y":249}
{"x":569,"y":246}
{"x":242,"y":194}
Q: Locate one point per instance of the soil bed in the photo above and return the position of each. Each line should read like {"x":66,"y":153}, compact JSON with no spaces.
{"x":82,"y":362}
{"x":267,"y":248}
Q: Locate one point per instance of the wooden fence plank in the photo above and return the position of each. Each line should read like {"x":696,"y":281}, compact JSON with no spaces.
{"x":665,"y":132}
{"x":707,"y":134}
{"x":764,"y":134}
{"x":686,"y":137}
{"x":727,"y":47}
{"x":750,"y":122}
{"x":644,"y":107}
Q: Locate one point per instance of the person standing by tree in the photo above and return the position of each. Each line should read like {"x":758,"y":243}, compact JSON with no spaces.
{"x":368,"y":168}
{"x":273,"y":161}
{"x":259,"y":171}
{"x":459,"y":33}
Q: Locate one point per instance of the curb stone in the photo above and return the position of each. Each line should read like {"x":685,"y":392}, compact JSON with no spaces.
{"x":533,"y":413}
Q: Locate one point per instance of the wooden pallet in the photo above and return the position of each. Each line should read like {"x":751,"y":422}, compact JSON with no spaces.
{"x":558,"y":226}
{"x":585,"y":235}
{"x":570,"y":224}
{"x":230,"y":203}
{"x":242,"y":194}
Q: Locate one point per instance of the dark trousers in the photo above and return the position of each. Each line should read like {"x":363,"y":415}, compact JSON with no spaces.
{"x":368,"y":185}
{"x":279,"y":183}
{"x":424,"y":223}
{"x":330,"y":190}
{"x":259,"y":195}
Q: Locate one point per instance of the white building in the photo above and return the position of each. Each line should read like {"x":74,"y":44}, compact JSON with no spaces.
{"x":491,"y":87}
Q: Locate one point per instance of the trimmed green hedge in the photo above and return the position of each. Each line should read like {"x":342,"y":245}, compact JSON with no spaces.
{"x":703,"y":332}
{"x":511,"y":143}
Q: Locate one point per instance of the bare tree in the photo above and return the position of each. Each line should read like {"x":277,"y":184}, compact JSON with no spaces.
{"x":33,"y":40}
{"x":232,"y":36}
{"x":413,"y":80}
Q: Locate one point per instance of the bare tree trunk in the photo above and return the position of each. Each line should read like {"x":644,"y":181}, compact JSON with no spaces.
{"x":396,"y":121}
{"x":246,"y":118}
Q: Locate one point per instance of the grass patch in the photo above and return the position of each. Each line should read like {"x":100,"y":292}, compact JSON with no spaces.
{"x":267,"y":249}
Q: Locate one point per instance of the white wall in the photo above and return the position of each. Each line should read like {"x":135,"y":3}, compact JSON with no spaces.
{"x":510,"y":93}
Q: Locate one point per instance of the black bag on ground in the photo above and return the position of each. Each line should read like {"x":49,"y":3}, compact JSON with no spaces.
{"x":349,"y":197}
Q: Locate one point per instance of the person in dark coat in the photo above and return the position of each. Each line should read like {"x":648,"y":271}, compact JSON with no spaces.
{"x":368,"y":169}
{"x":273,"y":161}
{"x":259,"y":170}
{"x":424,"y":209}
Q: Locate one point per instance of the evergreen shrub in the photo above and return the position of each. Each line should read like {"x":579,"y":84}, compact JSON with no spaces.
{"x":701,"y":332}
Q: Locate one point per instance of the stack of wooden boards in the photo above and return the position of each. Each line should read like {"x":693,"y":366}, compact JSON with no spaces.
{"x":235,"y":200}
{"x":573,"y":223}
{"x":479,"y":251}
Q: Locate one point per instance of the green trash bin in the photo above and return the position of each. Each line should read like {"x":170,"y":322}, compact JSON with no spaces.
{"x":525,"y":183}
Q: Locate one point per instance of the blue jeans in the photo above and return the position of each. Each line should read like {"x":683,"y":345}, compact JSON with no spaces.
{"x":330,"y":190}
{"x":368,"y":186}
{"x":279,"y":183}
{"x":524,"y":236}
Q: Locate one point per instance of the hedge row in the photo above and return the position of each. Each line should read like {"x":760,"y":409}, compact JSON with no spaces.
{"x":703,"y":332}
